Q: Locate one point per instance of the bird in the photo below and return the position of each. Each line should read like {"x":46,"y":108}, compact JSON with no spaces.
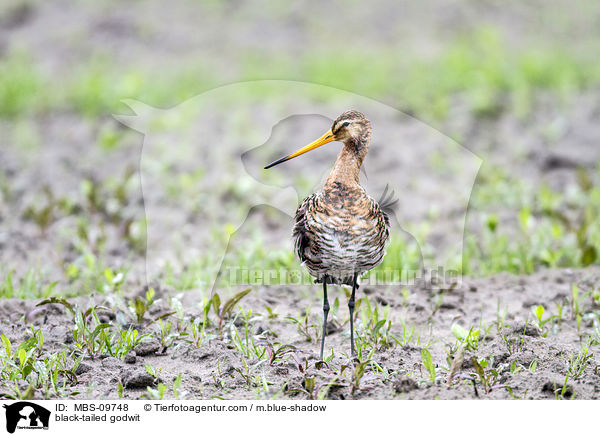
{"x":340,"y":232}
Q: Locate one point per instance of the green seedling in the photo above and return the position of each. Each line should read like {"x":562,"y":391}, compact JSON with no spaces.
{"x":271,"y":313}
{"x":177,"y":386}
{"x":376,"y":330}
{"x":166,"y":334}
{"x":276,"y":351}
{"x":308,"y":330}
{"x":87,"y":330}
{"x":428,"y":364}
{"x":533,"y":366}
{"x":455,"y":360}
{"x":30,"y":286}
{"x":246,"y":343}
{"x":515,"y":344}
{"x":579,"y":363}
{"x":407,"y":335}
{"x":225,"y":311}
{"x":540,"y":323}
{"x":314,"y":390}
{"x":219,"y":377}
{"x":151,"y":370}
{"x":247,"y":374}
{"x":48,"y":374}
{"x":468,"y":338}
{"x":120,"y":344}
{"x":500,"y":318}
{"x":43,"y":212}
{"x":358,"y":374}
{"x":158,"y":393}
{"x":487,"y":377}
{"x":575,"y":310}
{"x":405,"y":296}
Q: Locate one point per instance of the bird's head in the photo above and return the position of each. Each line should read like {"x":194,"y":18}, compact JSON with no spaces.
{"x":351,"y":127}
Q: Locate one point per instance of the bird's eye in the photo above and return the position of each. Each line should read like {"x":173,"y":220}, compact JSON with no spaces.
{"x":346,"y":124}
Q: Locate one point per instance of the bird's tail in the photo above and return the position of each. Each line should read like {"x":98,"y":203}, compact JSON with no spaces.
{"x":388,"y":202}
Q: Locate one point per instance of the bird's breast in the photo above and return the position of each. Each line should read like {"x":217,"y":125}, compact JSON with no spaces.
{"x":345,"y":233}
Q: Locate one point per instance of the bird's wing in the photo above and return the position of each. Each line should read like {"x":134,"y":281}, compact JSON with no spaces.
{"x":300,"y":232}
{"x":382,"y":211}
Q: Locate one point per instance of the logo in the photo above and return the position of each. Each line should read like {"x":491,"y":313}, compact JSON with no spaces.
{"x":252,"y":130}
{"x":26,"y":415}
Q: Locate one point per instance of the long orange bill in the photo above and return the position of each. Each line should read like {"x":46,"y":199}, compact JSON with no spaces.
{"x":327,"y":137}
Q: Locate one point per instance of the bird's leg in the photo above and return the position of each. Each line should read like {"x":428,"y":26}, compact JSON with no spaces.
{"x":351,"y":308}
{"x":325,"y":313}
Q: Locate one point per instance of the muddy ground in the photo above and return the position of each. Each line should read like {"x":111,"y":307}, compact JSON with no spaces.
{"x":534,"y":368}
{"x":531,"y":359}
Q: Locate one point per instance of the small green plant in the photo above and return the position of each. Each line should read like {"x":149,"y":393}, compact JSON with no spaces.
{"x":141,"y":305}
{"x":533,"y":365}
{"x":88,"y":329}
{"x":151,"y":370}
{"x":177,"y":386}
{"x":158,"y":393}
{"x":515,"y":344}
{"x":247,"y":374}
{"x":579,"y":363}
{"x":276,"y":351}
{"x":540,"y":322}
{"x":247,"y":342}
{"x":468,"y":338}
{"x":376,"y":330}
{"x":46,"y":373}
{"x":30,"y":286}
{"x":309,"y":330}
{"x":428,"y":363}
{"x":226,"y":309}
{"x":358,"y":374}
{"x":500,"y":317}
{"x":487,"y":377}
{"x":408,"y":334}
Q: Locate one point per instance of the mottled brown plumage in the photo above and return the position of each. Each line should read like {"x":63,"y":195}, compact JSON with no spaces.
{"x":341,"y":232}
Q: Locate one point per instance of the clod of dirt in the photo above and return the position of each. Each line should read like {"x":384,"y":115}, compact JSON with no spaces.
{"x":554,"y":387}
{"x":111,"y":362}
{"x":332,"y":327}
{"x":501,"y":357}
{"x":555,"y":162}
{"x":106,"y":317}
{"x":138,"y":378}
{"x":130,"y":358}
{"x":190,"y":354}
{"x":379,"y":299}
{"x":448,"y":305}
{"x":282,"y":370}
{"x":83,"y":368}
{"x":528,"y":329}
{"x":146,"y":348}
{"x":524,"y":358}
{"x":404,"y":384}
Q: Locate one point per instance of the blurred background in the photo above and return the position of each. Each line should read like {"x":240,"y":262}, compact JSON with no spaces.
{"x":516,"y":84}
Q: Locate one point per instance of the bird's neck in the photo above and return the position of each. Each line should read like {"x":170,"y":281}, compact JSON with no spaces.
{"x":347,"y":166}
